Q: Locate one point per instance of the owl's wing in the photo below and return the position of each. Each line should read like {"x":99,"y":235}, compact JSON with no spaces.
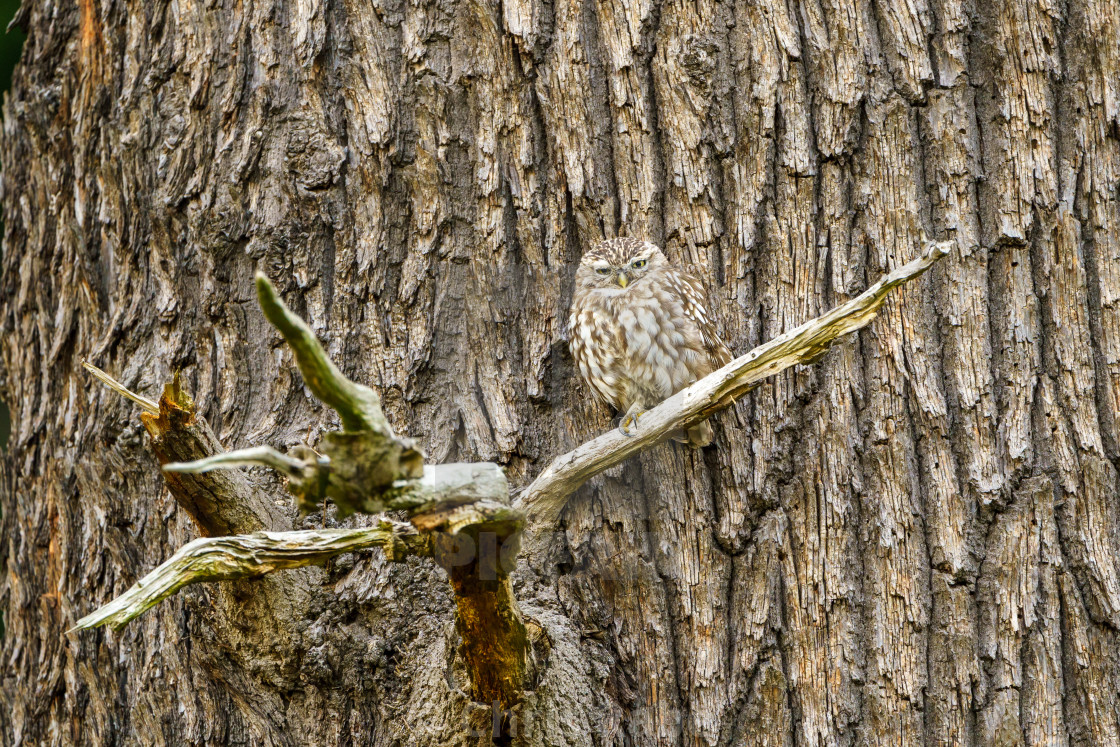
{"x":591,"y":350}
{"x":696,"y":308}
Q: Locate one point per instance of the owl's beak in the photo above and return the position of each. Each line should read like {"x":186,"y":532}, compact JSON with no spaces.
{"x":623,"y":280}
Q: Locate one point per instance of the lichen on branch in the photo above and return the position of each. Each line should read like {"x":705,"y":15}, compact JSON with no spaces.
{"x":366,"y":457}
{"x":357,"y":405}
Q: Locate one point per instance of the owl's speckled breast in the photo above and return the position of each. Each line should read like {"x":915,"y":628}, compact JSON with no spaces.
{"x":662,"y":349}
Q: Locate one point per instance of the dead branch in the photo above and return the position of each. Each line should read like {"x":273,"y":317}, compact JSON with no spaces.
{"x":366,"y":457}
{"x":249,"y":556}
{"x":367,"y":467}
{"x":460,"y":512}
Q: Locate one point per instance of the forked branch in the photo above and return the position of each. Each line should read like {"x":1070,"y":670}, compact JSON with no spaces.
{"x":367,"y":467}
{"x":366,"y":457}
{"x":460,"y":513}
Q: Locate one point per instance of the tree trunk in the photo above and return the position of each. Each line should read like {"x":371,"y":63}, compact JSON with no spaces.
{"x":913,"y":542}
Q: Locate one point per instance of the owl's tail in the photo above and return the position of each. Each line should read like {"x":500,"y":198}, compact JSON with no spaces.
{"x":698,"y":436}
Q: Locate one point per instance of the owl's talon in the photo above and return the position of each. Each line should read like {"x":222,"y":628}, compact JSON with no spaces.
{"x":629,"y":423}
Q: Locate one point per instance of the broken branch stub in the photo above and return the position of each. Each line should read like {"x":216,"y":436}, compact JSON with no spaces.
{"x":179,"y":433}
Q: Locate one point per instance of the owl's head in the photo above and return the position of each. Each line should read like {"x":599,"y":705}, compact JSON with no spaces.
{"x":618,"y":264}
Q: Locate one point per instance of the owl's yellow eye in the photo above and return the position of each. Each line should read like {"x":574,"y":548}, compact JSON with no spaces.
{"x":603,"y":270}
{"x":639,"y":264}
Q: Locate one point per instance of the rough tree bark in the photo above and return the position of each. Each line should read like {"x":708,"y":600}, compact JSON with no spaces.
{"x":914,"y":542}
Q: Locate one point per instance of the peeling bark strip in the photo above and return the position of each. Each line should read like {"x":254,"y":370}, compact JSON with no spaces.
{"x":913,"y":541}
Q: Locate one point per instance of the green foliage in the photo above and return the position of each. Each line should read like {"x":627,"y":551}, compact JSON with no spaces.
{"x":11,"y":44}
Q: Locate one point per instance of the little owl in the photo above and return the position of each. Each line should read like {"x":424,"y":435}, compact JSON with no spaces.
{"x":640,"y":330}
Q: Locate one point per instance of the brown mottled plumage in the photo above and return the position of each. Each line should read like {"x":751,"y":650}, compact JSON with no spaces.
{"x":640,"y":329}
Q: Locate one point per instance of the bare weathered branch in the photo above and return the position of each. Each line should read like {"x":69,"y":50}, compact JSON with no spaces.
{"x":544,"y":499}
{"x":248,"y":556}
{"x":358,"y":406}
{"x":147,"y":404}
{"x":366,"y":457}
{"x":252,"y":555}
{"x":442,"y":488}
{"x":255,"y":456}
